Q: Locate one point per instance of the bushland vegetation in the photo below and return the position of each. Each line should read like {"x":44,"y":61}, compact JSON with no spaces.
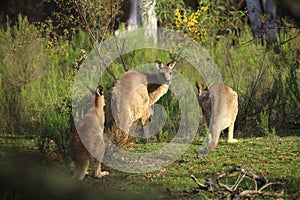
{"x":38,"y":67}
{"x":40,"y":60}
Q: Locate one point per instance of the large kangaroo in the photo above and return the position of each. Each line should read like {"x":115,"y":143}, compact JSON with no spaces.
{"x":134,"y":94}
{"x":219,"y":105}
{"x":90,"y":128}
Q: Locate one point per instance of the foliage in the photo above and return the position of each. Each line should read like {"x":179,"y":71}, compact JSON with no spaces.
{"x":37,"y":60}
{"x":17,"y":69}
{"x":163,"y":9}
{"x":193,"y":24}
{"x":208,"y":22}
{"x":259,"y":77}
{"x":96,"y":17}
{"x":36,"y":79}
{"x":263,"y":125}
{"x":292,"y":79}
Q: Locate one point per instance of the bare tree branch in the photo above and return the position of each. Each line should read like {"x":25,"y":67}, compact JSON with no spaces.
{"x":120,"y":54}
{"x":83,"y":17}
{"x":214,"y":185}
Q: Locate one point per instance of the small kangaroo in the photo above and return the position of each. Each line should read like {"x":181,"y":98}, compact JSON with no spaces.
{"x":219,"y":105}
{"x":134,"y":94}
{"x":90,"y":128}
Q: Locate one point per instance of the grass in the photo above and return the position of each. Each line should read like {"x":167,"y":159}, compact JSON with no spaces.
{"x":274,"y":156}
{"x":262,"y":79}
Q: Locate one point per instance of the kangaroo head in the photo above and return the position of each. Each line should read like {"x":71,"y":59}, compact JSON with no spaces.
{"x":165,"y":71}
{"x":98,"y":92}
{"x":98,"y":97}
{"x":199,"y":88}
{"x":203,"y":94}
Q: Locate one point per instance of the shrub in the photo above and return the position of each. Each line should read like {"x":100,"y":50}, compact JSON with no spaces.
{"x":36,"y":73}
{"x":36,"y":79}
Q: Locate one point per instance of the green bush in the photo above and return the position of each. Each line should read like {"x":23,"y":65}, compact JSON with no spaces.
{"x":36,"y":79}
{"x":36,"y":75}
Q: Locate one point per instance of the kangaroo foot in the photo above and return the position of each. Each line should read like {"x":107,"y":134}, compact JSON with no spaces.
{"x":101,"y":174}
{"x":232,"y":141}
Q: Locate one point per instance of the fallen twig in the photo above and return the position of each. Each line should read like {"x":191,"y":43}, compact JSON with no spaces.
{"x":214,"y":185}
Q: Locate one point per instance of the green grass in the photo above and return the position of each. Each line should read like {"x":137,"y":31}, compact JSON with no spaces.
{"x":267,"y":84}
{"x":275,"y":157}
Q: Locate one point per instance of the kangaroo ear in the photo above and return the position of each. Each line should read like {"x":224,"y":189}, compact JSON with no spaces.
{"x":99,"y":90}
{"x":159,"y":64}
{"x":199,"y":88}
{"x":172,"y":64}
{"x":91,"y":90}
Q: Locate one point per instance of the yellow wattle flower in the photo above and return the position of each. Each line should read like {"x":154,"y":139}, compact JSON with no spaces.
{"x":204,"y":8}
{"x":190,"y":23}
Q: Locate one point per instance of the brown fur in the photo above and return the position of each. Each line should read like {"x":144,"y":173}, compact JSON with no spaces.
{"x":155,"y":91}
{"x":134,"y":94}
{"x":91,"y":130}
{"x":219,"y":105}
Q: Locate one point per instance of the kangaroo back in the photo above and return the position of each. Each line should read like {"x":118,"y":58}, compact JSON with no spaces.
{"x":219,"y":105}
{"x":89,"y":145}
{"x":133,"y":95}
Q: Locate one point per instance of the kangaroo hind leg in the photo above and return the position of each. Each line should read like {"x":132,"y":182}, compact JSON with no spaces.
{"x":98,"y":173}
{"x":230,"y":134}
{"x":81,"y":168}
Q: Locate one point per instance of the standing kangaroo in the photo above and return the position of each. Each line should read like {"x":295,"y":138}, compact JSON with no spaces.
{"x":134,"y":94}
{"x":219,"y":105}
{"x":90,"y":128}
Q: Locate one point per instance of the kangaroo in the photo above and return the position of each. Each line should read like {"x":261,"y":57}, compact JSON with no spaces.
{"x":219,"y":105}
{"x":133,"y":95}
{"x":91,"y":128}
